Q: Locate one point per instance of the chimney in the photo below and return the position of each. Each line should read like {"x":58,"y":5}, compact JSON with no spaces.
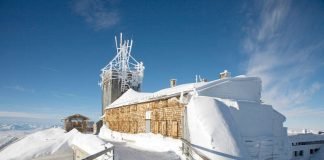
{"x":224,"y":74}
{"x":173,"y":82}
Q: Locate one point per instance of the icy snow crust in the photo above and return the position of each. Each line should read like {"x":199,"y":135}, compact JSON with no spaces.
{"x":52,"y":143}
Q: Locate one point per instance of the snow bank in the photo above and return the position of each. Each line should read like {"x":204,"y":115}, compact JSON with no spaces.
{"x":225,"y":129}
{"x":89,"y":143}
{"x":48,"y":142}
{"x":213,"y":131}
{"x":255,"y":119}
{"x":51,"y":143}
{"x":107,"y":134}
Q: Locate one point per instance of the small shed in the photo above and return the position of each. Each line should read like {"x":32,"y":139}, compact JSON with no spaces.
{"x":77,"y":121}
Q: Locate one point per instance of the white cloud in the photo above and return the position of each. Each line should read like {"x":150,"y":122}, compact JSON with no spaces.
{"x":304,"y":112}
{"x":278,"y":52}
{"x":100,"y":14}
{"x":20,"y":88}
{"x":26,"y":115}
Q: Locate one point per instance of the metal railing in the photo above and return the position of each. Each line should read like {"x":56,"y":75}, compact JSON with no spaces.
{"x":96,"y":155}
{"x":189,"y":151}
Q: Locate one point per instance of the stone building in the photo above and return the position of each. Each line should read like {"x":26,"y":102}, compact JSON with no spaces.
{"x":161,"y":116}
{"x":79,"y":122}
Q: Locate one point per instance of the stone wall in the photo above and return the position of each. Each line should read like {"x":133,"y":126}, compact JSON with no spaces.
{"x":166,"y":117}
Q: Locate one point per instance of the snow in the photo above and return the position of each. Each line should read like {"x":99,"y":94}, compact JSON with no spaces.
{"x":217,"y":140}
{"x":89,"y":143}
{"x":130,"y":95}
{"x":6,"y":140}
{"x":52,"y":143}
{"x":11,"y":132}
{"x":239,"y":129}
{"x":42,"y":143}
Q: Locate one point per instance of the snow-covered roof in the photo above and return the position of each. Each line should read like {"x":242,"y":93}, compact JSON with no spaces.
{"x":226,"y":89}
{"x":131,"y":96}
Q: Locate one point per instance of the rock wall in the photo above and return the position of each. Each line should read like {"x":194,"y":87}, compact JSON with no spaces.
{"x":165,"y":117}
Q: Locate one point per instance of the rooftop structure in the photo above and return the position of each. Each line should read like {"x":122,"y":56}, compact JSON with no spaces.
{"x":122,"y":73}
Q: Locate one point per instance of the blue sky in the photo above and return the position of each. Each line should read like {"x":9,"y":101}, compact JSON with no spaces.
{"x":51,"y":52}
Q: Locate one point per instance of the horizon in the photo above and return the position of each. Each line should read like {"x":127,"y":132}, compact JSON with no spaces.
{"x":52,"y":52}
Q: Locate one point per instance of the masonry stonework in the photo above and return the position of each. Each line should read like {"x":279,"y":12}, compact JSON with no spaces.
{"x":166,"y":117}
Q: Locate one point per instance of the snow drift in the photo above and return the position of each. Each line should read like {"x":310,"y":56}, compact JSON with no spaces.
{"x":52,"y":143}
{"x":230,"y":129}
{"x":212,"y":131}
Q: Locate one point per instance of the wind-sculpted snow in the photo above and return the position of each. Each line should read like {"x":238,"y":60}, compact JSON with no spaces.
{"x":213,"y":131}
{"x":51,"y":143}
{"x":230,"y":129}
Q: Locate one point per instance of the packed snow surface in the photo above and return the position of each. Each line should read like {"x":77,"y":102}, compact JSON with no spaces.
{"x":153,"y":146}
{"x":52,"y":143}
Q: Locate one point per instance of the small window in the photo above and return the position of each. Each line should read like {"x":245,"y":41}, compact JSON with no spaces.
{"x":295,"y":153}
{"x":311,"y":151}
{"x":301,"y":153}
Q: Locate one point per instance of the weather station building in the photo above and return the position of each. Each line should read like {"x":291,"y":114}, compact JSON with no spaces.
{"x":220,"y":119}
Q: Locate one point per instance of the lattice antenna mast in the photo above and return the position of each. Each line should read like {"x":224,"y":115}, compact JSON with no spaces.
{"x":124,"y":67}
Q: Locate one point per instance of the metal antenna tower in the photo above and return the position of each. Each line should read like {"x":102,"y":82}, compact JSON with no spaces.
{"x":121,"y":73}
{"x":123,"y":66}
